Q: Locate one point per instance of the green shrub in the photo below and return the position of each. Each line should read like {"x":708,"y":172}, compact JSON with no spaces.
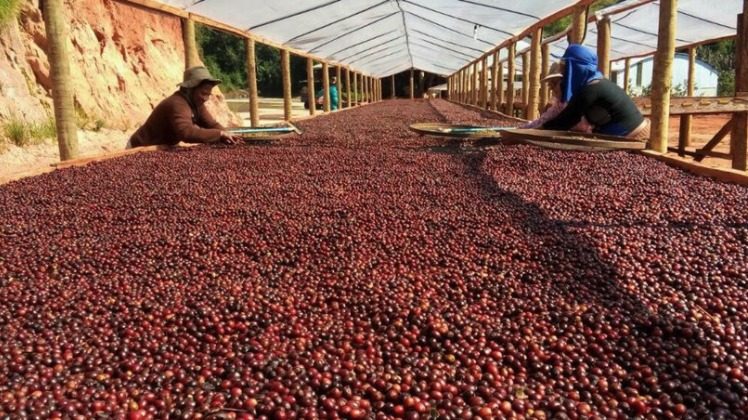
{"x":22,"y":133}
{"x":9,"y":10}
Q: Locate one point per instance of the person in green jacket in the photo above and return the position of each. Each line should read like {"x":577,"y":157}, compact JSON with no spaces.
{"x":334,"y":97}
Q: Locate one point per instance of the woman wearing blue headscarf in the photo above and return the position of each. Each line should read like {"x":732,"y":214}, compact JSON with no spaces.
{"x":588,"y":94}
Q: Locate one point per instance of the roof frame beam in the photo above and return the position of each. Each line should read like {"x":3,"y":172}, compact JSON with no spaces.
{"x":330,"y":41}
{"x":282,"y":18}
{"x":457,"y":18}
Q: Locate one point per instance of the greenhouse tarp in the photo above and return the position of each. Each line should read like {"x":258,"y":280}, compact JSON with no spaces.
{"x":634,"y":31}
{"x":382,"y":37}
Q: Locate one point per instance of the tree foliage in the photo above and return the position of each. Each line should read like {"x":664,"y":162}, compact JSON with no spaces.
{"x":225,"y":55}
{"x":9,"y":10}
{"x":721,"y":56}
{"x":563,"y":23}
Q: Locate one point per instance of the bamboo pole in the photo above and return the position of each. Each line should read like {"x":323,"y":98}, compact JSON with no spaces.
{"x":461,"y":88}
{"x":662,"y":77}
{"x":500,"y":86}
{"x":339,"y":85}
{"x":495,"y":83}
{"x":393,"y":95}
{"x":510,"y":79}
{"x":739,"y":135}
{"x":191,"y":57}
{"x":356,"y":100}
{"x":603,"y":46}
{"x":286,"y":74}
{"x":326,"y":86}
{"x":348,"y":102}
{"x":525,"y":82}
{"x":311,"y":95}
{"x":62,"y":87}
{"x":254,"y":115}
{"x":626,"y":74}
{"x":533,"y":97}
{"x":578,"y":25}
{"x":474,"y":85}
{"x":545,"y":64}
{"x":686,"y":120}
{"x":411,"y":87}
{"x":484,"y":83}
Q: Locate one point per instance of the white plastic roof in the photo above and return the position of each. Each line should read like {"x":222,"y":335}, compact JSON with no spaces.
{"x":634,"y":31}
{"x":382,"y":37}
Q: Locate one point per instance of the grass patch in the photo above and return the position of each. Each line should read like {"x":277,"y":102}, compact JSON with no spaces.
{"x":22,"y":133}
{"x":9,"y":10}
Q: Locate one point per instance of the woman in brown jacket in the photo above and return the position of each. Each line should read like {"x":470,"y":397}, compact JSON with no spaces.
{"x":183,"y":115}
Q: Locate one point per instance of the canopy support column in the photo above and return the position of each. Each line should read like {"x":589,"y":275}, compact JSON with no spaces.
{"x":356,"y":96}
{"x":62,"y":87}
{"x":311,"y":97}
{"x":286,"y":74}
{"x":626,"y":74}
{"x":254,"y":115}
{"x":544,"y":69}
{"x":393,"y":95}
{"x":533,"y":98}
{"x":684,"y":137}
{"x":339,"y":85}
{"x":348,"y":102}
{"x":662,"y":75}
{"x":578,"y":25}
{"x":525,"y":82}
{"x":499,"y":85}
{"x":603,"y":46}
{"x":739,"y":136}
{"x":191,"y":57}
{"x":495,"y":84}
{"x":410,"y":86}
{"x":484,"y":83}
{"x":326,"y":87}
{"x":510,"y":80}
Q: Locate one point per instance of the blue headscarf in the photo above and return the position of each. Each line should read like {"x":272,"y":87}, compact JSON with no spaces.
{"x":580,"y":69}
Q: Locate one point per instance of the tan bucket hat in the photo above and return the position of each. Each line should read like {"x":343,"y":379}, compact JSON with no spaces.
{"x":553,"y":72}
{"x":193,"y":76}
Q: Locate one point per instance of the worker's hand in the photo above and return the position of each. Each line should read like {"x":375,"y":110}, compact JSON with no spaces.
{"x":228,"y":138}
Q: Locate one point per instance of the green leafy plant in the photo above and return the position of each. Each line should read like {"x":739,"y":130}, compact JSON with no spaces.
{"x":22,"y":133}
{"x":9,"y":10}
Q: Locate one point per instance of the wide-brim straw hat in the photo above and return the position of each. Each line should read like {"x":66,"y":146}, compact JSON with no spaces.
{"x":194,"y":76}
{"x":553,"y":72}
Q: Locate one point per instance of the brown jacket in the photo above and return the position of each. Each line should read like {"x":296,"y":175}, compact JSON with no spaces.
{"x":175,"y":120}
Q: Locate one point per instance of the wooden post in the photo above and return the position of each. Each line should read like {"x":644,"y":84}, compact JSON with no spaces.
{"x":739,"y":135}
{"x":286,"y":74}
{"x":662,"y":75}
{"x":339,"y":85}
{"x":578,"y":25}
{"x":461,"y":86}
{"x":510,"y":79}
{"x":500,"y":86}
{"x":533,"y":97}
{"x":62,"y":86}
{"x":603,"y":46}
{"x":356,"y":96}
{"x":326,"y":87}
{"x":393,"y":95}
{"x":544,"y":69}
{"x":254,"y":114}
{"x":348,"y":102}
{"x":484,"y":83}
{"x":525,"y":82}
{"x":626,"y":74}
{"x":495,"y":83}
{"x":191,"y":57}
{"x":684,"y":137}
{"x":476,"y":85}
{"x":311,"y":95}
{"x":411,"y":87}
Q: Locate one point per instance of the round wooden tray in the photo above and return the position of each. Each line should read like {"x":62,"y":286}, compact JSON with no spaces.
{"x":571,"y":140}
{"x":455,"y":130}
